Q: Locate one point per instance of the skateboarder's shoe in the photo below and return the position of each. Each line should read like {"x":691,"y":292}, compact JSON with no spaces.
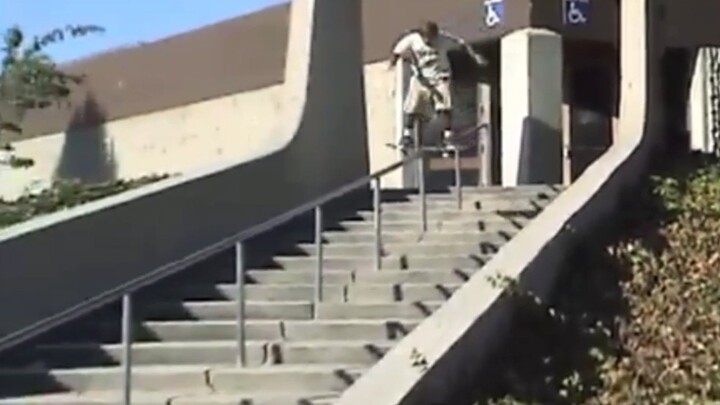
{"x":405,"y":142}
{"x":447,"y":144}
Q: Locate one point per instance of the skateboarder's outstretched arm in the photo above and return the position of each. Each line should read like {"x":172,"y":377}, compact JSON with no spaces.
{"x":403,"y":50}
{"x":479,"y":59}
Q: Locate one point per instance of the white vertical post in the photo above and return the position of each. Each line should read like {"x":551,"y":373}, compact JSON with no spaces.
{"x":567,"y":145}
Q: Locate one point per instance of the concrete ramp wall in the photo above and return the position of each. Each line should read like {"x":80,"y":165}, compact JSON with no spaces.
{"x":50,"y":265}
{"x":457,"y":340}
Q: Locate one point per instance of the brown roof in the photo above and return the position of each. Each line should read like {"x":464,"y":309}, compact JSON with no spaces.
{"x":237,"y":55}
{"x":232,"y":56}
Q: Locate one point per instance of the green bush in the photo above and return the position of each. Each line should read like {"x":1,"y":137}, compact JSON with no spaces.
{"x":63,"y":195}
{"x":634,"y":321}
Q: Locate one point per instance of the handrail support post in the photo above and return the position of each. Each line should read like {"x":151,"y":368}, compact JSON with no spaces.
{"x":423,"y":194}
{"x":126,"y":293}
{"x":127,"y":340}
{"x":458,"y":179}
{"x":241,"y":336}
{"x":377,"y":215}
{"x":319,"y":267}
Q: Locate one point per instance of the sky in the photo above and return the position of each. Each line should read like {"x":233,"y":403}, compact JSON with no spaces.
{"x":126,"y":22}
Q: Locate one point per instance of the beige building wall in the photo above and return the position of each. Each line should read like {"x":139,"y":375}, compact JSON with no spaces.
{"x":186,"y":138}
{"x":382,"y":113}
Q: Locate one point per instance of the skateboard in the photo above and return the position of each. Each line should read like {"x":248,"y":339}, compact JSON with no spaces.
{"x":407,"y":150}
{"x":458,"y":140}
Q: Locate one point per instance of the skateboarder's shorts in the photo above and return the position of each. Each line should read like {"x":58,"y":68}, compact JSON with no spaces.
{"x":422,"y":96}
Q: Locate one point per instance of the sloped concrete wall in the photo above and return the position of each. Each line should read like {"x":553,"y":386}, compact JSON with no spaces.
{"x":51,"y":265}
{"x":457,"y":339}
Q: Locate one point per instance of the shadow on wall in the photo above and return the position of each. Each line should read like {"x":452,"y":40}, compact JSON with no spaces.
{"x":540,"y":153}
{"x":591,"y":96}
{"x":87,"y":153}
{"x":678,"y":65}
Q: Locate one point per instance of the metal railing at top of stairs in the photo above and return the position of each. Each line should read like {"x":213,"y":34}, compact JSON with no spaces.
{"x":126,"y":291}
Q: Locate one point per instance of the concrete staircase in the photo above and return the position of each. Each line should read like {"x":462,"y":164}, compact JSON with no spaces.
{"x":185,"y":349}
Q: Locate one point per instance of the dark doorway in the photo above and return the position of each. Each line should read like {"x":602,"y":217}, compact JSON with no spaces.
{"x":591,"y":110}
{"x":590,"y":115}
{"x":467,"y":115}
{"x":466,"y":76}
{"x":676,"y":67}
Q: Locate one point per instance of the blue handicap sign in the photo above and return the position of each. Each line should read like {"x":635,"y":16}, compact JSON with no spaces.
{"x":494,"y":12}
{"x":576,"y":12}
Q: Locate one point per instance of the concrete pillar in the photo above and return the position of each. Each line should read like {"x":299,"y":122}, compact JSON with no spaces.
{"x":531,"y":87}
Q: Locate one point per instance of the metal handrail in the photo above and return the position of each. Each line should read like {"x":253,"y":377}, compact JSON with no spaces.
{"x":197,"y":257}
{"x":125,"y":291}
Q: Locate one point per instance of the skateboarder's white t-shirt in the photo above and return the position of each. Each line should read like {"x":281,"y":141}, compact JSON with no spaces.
{"x":432,"y":61}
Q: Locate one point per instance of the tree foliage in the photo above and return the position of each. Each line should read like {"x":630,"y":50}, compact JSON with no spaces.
{"x":29,"y":79}
{"x":63,"y":195}
{"x":633,"y":321}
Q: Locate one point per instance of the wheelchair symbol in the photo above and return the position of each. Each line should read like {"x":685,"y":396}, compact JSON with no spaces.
{"x":573,"y":15}
{"x":493,"y":12}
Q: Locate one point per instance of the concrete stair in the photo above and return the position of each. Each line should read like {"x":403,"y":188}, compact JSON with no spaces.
{"x":358,"y":292}
{"x":154,"y":398}
{"x":298,"y":351}
{"x":286,"y":330}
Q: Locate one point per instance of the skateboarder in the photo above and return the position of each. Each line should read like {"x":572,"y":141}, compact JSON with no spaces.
{"x":426,"y":49}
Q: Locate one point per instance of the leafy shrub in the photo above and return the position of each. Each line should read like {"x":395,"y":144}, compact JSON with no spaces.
{"x":20,"y":162}
{"x":63,"y":195}
{"x":634,"y":322}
